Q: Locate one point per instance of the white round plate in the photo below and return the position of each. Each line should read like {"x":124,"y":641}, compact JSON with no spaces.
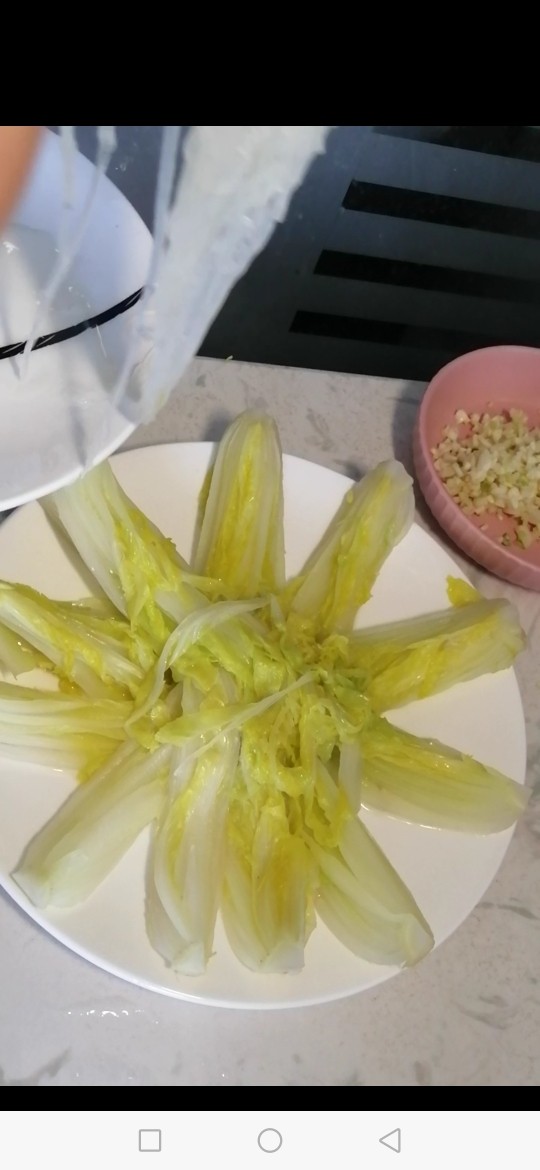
{"x":447,"y":872}
{"x":60,"y":418}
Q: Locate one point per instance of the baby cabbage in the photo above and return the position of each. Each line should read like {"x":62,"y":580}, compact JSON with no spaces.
{"x":240,"y":717}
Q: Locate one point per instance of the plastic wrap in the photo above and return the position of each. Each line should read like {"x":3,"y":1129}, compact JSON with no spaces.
{"x":99,"y":319}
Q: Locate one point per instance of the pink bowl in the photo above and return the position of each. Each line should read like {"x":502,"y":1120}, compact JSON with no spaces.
{"x":492,"y":379}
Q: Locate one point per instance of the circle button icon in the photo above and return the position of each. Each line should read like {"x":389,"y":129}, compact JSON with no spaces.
{"x":270,"y":1141}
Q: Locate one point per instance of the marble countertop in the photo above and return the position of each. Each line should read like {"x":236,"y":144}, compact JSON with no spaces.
{"x":468,"y":1015}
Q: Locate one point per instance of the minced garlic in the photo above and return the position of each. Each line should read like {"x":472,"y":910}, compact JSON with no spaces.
{"x":491,"y":463}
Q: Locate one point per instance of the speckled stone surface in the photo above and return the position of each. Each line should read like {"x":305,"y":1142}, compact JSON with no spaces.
{"x":468,"y":1015}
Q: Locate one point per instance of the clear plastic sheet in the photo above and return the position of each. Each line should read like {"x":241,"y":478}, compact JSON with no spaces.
{"x":99,"y":318}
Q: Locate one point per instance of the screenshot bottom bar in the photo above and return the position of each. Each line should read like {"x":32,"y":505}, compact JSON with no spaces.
{"x":270,"y":1140}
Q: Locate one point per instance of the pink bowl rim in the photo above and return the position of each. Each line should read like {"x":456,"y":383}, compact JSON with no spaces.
{"x":473,"y":353}
{"x":436,"y":485}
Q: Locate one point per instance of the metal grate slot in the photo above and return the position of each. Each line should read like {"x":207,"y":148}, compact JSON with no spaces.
{"x":443,"y":209}
{"x":521,"y":142}
{"x":408,"y":274}
{"x":391,"y":333}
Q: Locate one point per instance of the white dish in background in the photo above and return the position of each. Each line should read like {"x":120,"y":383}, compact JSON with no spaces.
{"x":60,"y":418}
{"x":447,"y":872}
